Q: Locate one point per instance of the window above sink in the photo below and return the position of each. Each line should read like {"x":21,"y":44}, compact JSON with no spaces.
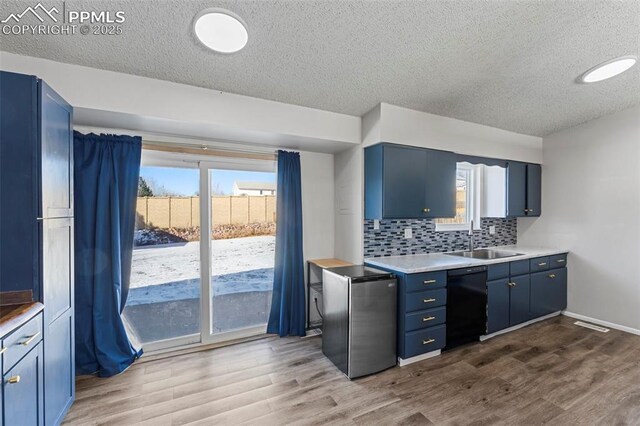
{"x":480,"y":192}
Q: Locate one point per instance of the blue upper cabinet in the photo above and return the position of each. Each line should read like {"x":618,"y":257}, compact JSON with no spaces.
{"x":524,"y":189}
{"x":534,"y":189}
{"x":404,"y":182}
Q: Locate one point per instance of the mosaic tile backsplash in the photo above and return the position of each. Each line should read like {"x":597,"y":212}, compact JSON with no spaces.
{"x":389,"y":239}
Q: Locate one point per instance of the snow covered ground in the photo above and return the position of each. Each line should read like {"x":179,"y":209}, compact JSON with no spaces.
{"x":172,"y":271}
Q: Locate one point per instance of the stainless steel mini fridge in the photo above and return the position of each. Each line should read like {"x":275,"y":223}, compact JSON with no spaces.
{"x":359,"y":324}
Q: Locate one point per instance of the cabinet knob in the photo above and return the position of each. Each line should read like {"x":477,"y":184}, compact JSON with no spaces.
{"x":552,"y":275}
{"x":426,"y":210}
{"x":512,"y":284}
{"x":3,"y":350}
{"x":531,"y":210}
{"x":13,"y":380}
{"x":526,"y":210}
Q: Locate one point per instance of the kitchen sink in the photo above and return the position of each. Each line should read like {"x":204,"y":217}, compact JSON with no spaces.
{"x":484,"y":254}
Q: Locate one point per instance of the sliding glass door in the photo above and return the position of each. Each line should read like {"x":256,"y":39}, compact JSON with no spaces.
{"x":204,"y":251}
{"x":241,"y":249}
{"x":163,"y":306}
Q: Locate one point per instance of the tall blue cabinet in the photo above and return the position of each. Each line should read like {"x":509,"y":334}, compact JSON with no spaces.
{"x":36,"y":227}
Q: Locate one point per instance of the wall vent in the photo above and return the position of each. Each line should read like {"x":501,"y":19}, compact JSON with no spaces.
{"x":592,"y":327}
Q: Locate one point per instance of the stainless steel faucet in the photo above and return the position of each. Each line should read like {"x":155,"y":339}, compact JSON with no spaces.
{"x":471,"y":244}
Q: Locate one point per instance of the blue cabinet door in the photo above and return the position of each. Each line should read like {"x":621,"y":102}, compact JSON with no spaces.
{"x":534,"y":189}
{"x":440,"y":198}
{"x":558,"y":282}
{"x":516,"y":189}
{"x":23,"y":390}
{"x":19,"y":262}
{"x":57,"y":252}
{"x":497,"y":305}
{"x":548,"y":292}
{"x":404,"y":177}
{"x":519,"y":300}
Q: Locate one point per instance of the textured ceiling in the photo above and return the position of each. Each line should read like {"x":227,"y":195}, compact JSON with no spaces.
{"x":508,"y":64}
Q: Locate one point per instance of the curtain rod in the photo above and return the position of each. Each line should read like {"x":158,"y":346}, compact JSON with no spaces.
{"x":201,"y":149}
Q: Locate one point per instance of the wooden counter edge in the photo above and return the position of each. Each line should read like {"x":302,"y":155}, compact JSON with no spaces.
{"x":12,"y":317}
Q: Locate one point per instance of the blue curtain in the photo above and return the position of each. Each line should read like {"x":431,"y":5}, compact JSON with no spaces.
{"x":106,"y":171}
{"x":287,"y":315}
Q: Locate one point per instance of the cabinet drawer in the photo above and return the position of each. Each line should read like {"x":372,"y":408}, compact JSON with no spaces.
{"x":21,"y":341}
{"x":519,"y":267}
{"x":426,"y":281}
{"x":424,"y":319}
{"x":419,"y":301}
{"x":558,"y":260}
{"x":423,"y":341}
{"x":539,"y":264}
{"x":497,"y":271}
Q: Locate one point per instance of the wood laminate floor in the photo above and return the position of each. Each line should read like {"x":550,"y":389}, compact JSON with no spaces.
{"x":551,"y":372}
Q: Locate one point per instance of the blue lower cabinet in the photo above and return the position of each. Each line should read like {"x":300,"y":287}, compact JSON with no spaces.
{"x":423,"y":319}
{"x":23,"y":390}
{"x":422,"y":341}
{"x":548,"y":292}
{"x":425,"y":299}
{"x":519,"y":288}
{"x":497,"y":305}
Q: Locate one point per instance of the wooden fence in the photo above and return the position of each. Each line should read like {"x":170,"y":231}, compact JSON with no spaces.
{"x":184,"y":212}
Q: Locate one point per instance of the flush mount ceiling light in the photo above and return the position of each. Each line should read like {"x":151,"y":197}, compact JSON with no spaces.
{"x":221,"y":30}
{"x":608,"y":69}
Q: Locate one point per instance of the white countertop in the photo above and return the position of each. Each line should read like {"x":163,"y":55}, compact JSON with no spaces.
{"x":411,"y":264}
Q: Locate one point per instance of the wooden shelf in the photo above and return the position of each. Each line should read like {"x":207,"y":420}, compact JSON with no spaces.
{"x":329,"y":263}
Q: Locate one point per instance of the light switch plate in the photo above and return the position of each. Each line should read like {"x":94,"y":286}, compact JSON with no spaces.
{"x":492,"y":229}
{"x":408,"y":233}
{"x":376,"y":224}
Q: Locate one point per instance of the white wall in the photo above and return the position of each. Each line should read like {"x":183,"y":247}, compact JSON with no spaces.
{"x":317,"y":204}
{"x":591,"y":206}
{"x":409,"y":127}
{"x":122,"y":101}
{"x":349,"y":205}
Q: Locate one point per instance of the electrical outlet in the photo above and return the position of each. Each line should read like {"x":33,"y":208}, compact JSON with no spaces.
{"x":492,"y":229}
{"x":408,"y":233}
{"x":376,"y":224}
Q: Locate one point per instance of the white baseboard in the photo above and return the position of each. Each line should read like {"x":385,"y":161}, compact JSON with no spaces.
{"x":516,"y":327}
{"x":402,"y":362}
{"x":602,"y":323}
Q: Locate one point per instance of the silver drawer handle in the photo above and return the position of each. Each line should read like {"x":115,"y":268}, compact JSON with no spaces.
{"x":560,"y":260}
{"x":429,"y":282}
{"x":426,"y":342}
{"x":428,"y":300}
{"x":552,"y":275}
{"x":425,"y":319}
{"x":542,"y":264}
{"x":3,"y":350}
{"x":13,"y":380}
{"x":30,"y":339}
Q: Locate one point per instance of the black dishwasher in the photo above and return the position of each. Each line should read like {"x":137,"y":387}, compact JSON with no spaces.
{"x":466,"y":305}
